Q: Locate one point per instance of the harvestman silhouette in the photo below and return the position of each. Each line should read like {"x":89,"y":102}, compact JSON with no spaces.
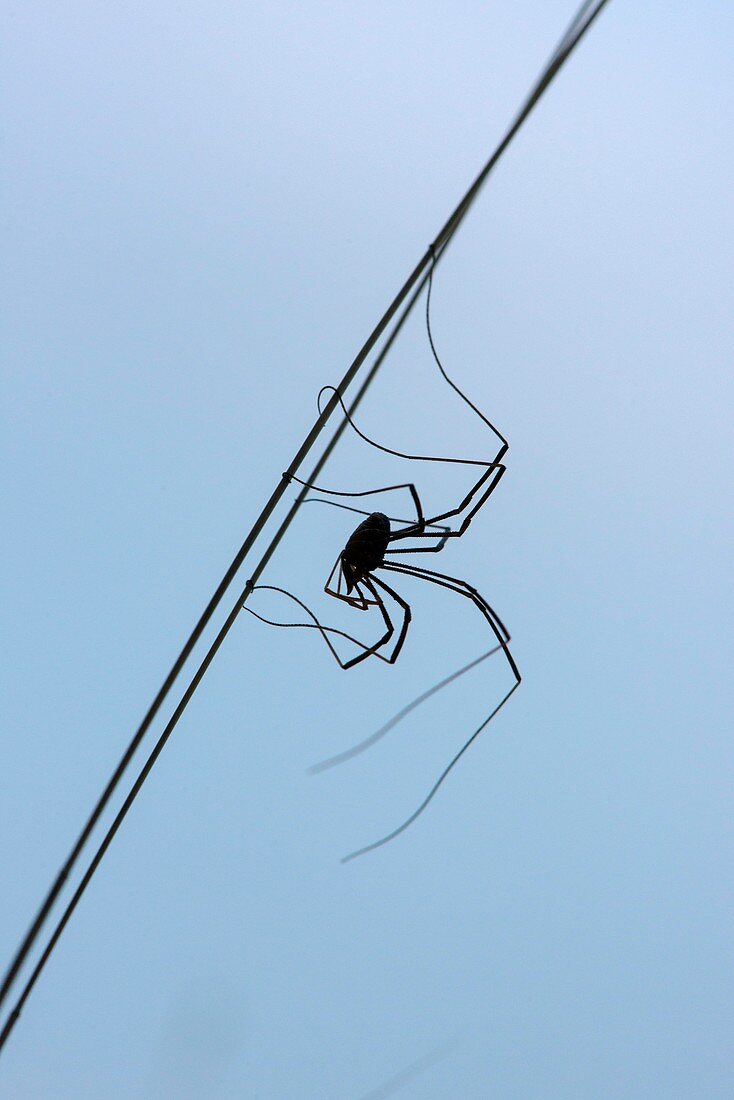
{"x":353,"y":578}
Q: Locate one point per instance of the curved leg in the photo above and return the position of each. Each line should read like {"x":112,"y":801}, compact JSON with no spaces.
{"x":454,"y":584}
{"x":419,"y":524}
{"x":493,"y":475}
{"x":479,"y":493}
{"x":462,"y":588}
{"x":407,"y":614}
{"x":369,"y":583}
{"x":325,"y":631}
{"x":488,"y":469}
{"x":419,"y":520}
{"x":503,"y":442}
{"x":359,"y":601}
{"x":315,"y":624}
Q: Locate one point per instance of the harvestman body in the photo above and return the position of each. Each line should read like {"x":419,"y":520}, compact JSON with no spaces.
{"x":365,"y":548}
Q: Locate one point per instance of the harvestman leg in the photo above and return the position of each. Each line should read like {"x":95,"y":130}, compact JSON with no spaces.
{"x":504,"y":445}
{"x":453,"y":584}
{"x":462,"y":588}
{"x":488,"y":468}
{"x":492,"y":474}
{"x":497,"y":470}
{"x":420,"y":521}
{"x":355,"y":750}
{"x":369,"y":583}
{"x":419,"y":524}
{"x":325,"y":631}
{"x":407,"y":615}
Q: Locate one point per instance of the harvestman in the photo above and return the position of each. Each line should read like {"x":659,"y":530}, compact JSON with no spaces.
{"x":353,"y":578}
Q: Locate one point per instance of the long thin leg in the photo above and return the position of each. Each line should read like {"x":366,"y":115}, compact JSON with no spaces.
{"x":497,"y":460}
{"x":504,"y":444}
{"x":453,"y":584}
{"x":407,"y":614}
{"x":381,"y":641}
{"x":463,"y":588}
{"x":359,"y":601}
{"x":419,"y":520}
{"x":487,"y":467}
{"x":325,"y":631}
{"x":419,"y":524}
{"x":492,"y":475}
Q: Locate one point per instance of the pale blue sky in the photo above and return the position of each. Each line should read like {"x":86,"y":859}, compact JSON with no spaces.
{"x":206,"y":209}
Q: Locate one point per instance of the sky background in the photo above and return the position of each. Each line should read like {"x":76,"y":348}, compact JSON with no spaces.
{"x":206,"y":209}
